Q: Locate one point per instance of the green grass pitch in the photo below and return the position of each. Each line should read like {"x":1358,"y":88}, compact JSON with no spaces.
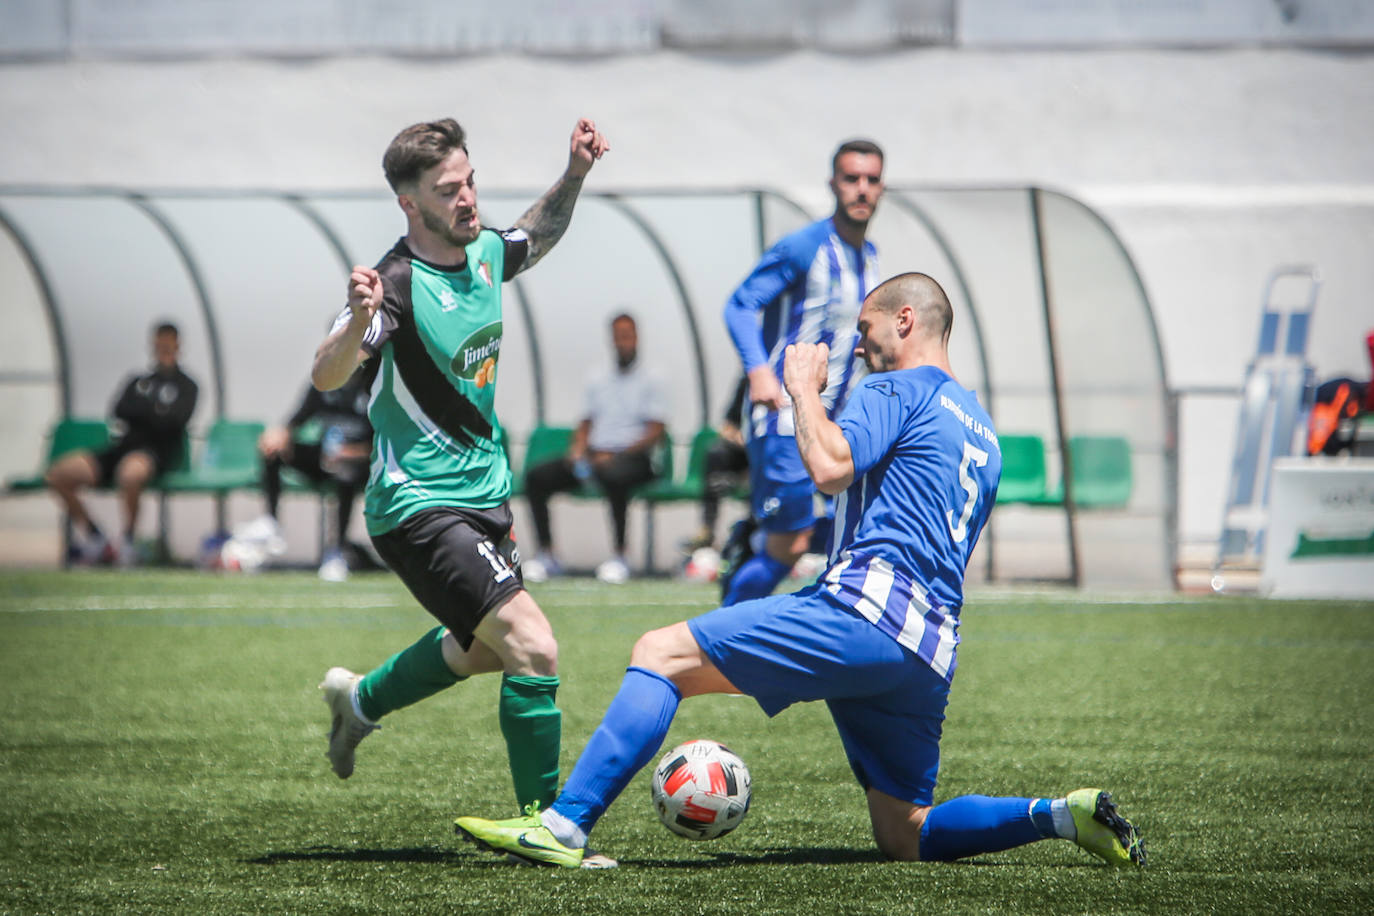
{"x":162,"y":751}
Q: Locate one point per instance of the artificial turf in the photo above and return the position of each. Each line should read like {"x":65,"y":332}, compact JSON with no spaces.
{"x":162,"y":751}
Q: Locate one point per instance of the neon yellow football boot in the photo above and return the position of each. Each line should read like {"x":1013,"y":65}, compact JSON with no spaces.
{"x":525,"y":837}
{"x":1102,"y":830}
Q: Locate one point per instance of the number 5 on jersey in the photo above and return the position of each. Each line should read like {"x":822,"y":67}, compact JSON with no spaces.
{"x":980,"y":458}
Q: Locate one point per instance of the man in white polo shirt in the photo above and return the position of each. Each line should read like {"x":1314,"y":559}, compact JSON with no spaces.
{"x":613,"y":445}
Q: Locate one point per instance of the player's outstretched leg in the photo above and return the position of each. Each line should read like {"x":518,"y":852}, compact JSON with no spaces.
{"x":1102,"y":831}
{"x":972,"y":825}
{"x":348,"y":728}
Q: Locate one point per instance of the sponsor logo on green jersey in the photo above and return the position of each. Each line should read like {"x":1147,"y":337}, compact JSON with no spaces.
{"x":482,"y":345}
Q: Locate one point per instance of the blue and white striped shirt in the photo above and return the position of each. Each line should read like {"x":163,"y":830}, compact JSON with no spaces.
{"x":807,"y":288}
{"x":926,"y":468}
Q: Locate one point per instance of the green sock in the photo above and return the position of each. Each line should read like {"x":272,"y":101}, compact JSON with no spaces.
{"x":533,"y":727}
{"x":407,"y":677}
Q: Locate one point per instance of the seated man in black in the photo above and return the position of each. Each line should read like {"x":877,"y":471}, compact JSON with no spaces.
{"x":340,"y":455}
{"x":151,"y":416}
{"x":613,"y":445}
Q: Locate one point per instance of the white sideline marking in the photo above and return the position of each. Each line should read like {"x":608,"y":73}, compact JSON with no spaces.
{"x":557,"y":602}
{"x":110,"y":603}
{"x":192,"y":603}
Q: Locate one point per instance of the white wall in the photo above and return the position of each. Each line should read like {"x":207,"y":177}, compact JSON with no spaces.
{"x":1213,"y":165}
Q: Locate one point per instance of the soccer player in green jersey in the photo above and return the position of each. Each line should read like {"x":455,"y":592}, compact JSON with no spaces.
{"x":426,"y":322}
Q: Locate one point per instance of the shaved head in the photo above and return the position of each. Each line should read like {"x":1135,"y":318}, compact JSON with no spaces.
{"x":934,"y":315}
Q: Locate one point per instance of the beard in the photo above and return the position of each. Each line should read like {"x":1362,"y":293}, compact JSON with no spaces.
{"x":876,"y":361}
{"x":453,"y":235}
{"x":858,"y":223}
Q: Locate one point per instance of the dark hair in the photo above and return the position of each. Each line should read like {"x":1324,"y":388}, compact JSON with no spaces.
{"x":166,"y":327}
{"x":624,"y":316}
{"x":926,"y":297}
{"x":419,"y":147}
{"x":867,"y":147}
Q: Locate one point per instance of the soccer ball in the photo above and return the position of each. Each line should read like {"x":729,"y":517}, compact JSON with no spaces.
{"x":702,"y":566}
{"x":701,"y":790}
{"x":809,"y":567}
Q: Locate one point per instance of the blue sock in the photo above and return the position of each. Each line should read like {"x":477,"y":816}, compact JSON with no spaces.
{"x":973,"y":824}
{"x":630,"y":733}
{"x":757,"y":578}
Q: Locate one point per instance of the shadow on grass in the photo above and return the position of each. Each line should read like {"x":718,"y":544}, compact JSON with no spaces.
{"x":814,"y":855}
{"x":817,"y":855}
{"x":822,"y":855}
{"x":420,"y":854}
{"x":440,"y":856}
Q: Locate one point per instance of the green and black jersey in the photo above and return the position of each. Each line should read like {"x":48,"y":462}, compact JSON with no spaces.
{"x":436,"y":345}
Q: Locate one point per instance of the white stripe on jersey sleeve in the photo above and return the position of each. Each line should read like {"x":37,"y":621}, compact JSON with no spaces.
{"x":341,"y":319}
{"x":374,"y":327}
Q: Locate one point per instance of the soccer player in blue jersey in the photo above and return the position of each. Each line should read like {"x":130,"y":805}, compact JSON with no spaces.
{"x":914,"y":464}
{"x":806,"y":289}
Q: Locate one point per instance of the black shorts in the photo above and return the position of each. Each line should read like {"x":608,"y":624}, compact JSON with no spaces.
{"x":458,"y":563}
{"x":108,"y":460}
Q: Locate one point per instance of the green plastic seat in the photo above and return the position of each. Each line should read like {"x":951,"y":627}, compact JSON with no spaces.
{"x":545,"y":443}
{"x":1101,"y":471}
{"x":1023,"y":469}
{"x":67,"y":435}
{"x":228,"y":461}
{"x":689,"y":488}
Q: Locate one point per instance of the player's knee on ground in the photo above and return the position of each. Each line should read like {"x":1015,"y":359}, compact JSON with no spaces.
{"x":897,"y":827}
{"x":899,"y":846}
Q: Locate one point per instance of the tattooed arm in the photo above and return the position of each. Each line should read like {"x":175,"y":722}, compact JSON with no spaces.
{"x":545,"y":222}
{"x":824,"y":450}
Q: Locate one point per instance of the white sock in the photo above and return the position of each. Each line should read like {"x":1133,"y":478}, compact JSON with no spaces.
{"x":563,"y":830}
{"x":358,"y":710}
{"x":1063,"y":820}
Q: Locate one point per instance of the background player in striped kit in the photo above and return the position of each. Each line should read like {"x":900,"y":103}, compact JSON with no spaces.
{"x":806,"y":289}
{"x":915,"y":463}
{"x":427,"y":321}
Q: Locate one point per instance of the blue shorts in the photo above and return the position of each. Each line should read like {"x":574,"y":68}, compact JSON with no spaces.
{"x":781,"y":494}
{"x":888,"y":705}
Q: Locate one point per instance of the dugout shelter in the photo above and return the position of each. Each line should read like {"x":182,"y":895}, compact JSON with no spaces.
{"x":1053,"y":328}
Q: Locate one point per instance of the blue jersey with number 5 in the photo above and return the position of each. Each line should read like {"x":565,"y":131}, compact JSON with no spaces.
{"x":926,"y":467}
